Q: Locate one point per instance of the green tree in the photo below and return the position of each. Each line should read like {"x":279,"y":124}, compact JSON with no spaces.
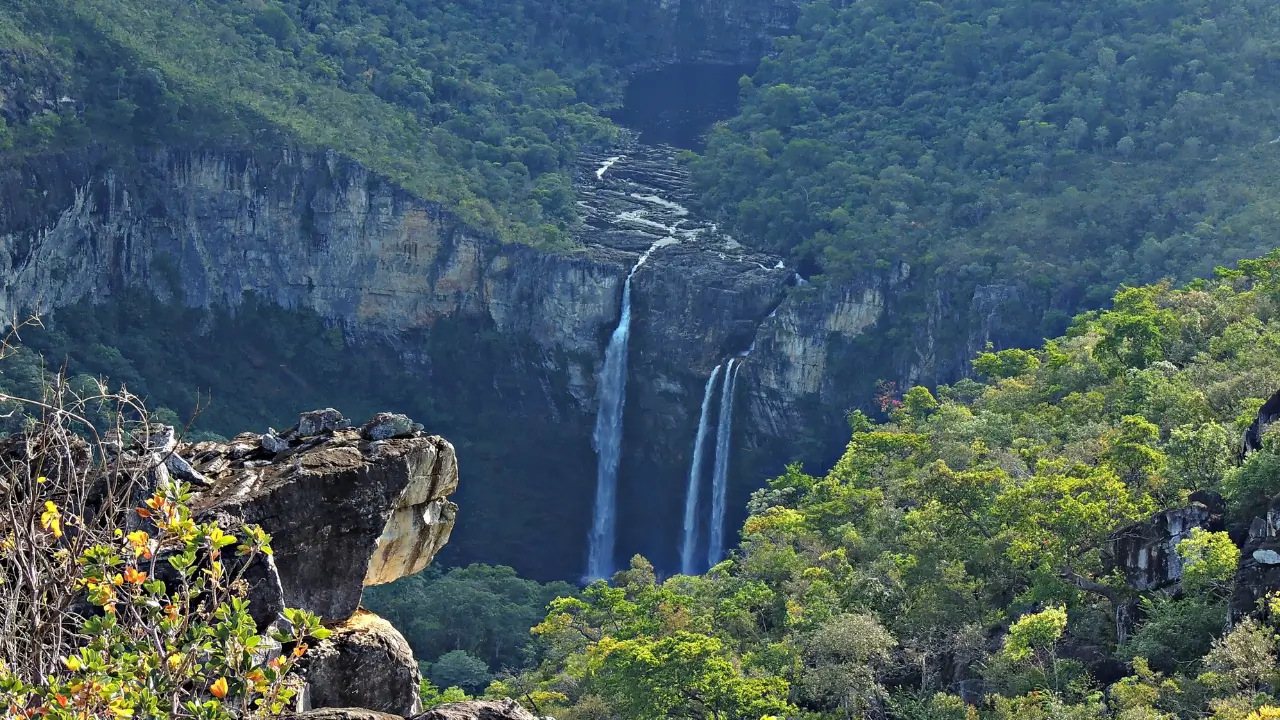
{"x":1209,"y":561}
{"x":1134,"y":331}
{"x":685,"y":675}
{"x":842,"y":661}
{"x":460,"y":669}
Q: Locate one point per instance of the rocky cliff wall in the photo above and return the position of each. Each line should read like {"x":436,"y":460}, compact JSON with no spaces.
{"x":507,"y":337}
{"x":720,"y":31}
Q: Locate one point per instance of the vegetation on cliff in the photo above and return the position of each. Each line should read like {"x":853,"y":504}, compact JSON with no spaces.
{"x":479,"y":105}
{"x":964,"y":542}
{"x":1070,"y":146}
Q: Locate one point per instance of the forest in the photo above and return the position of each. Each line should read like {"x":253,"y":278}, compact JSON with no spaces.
{"x":1072,"y":146}
{"x":466,"y":103}
{"x":959,"y":561}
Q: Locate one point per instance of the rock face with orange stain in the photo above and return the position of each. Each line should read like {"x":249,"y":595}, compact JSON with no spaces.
{"x":346,"y":506}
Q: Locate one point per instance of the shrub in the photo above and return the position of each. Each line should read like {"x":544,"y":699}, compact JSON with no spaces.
{"x":119,"y":604}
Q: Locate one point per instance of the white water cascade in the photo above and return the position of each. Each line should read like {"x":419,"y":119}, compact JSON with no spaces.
{"x":720,"y":472}
{"x":689,"y":541}
{"x":611,"y":392}
{"x":604,"y":166}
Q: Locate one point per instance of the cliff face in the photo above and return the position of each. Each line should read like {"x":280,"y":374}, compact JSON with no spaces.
{"x":500,"y":330}
{"x":733,"y":32}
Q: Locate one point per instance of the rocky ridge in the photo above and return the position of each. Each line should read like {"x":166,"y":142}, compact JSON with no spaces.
{"x":347,"y":507}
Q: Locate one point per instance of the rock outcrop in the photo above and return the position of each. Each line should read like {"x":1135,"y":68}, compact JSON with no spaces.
{"x":1146,"y":553}
{"x":365,"y":663}
{"x":342,"y":714}
{"x":343,"y":511}
{"x":1267,"y":415}
{"x":469,"y":710}
{"x":1258,"y":573}
{"x":346,"y":507}
{"x":478,"y":710}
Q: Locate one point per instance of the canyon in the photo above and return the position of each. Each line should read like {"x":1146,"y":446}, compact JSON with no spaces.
{"x":509,"y":341}
{"x":314,"y":231}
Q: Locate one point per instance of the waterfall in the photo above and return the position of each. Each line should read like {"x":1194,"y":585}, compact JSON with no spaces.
{"x":611,"y":392}
{"x":720,"y":473}
{"x":689,"y":542}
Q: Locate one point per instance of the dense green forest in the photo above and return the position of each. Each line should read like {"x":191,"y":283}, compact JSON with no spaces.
{"x":966,"y":537}
{"x":1071,"y":146}
{"x":468,"y":626}
{"x":476,"y":104}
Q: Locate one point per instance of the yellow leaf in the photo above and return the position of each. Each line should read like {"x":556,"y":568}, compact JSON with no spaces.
{"x":51,"y":519}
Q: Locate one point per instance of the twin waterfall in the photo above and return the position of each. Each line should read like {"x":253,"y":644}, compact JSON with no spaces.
{"x":689,"y":541}
{"x":719,"y":472}
{"x":649,"y":208}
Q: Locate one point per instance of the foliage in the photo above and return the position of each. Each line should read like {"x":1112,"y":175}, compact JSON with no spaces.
{"x":1035,"y":634}
{"x":431,"y":696}
{"x":483,"y":611}
{"x":461,"y":669}
{"x":1209,"y":560}
{"x":480,"y":105}
{"x":1176,"y":633}
{"x":1065,"y":148}
{"x":122,"y":610}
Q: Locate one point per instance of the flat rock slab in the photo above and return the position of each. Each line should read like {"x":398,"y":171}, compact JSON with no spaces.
{"x":478,"y":710}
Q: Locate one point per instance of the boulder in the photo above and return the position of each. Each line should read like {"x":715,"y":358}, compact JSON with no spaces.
{"x":365,"y":663}
{"x":385,"y":426}
{"x":343,"y":512}
{"x":478,"y":710}
{"x":1258,"y":573}
{"x":1267,"y":414}
{"x":1146,"y":552}
{"x":342,"y":714}
{"x":317,"y":422}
